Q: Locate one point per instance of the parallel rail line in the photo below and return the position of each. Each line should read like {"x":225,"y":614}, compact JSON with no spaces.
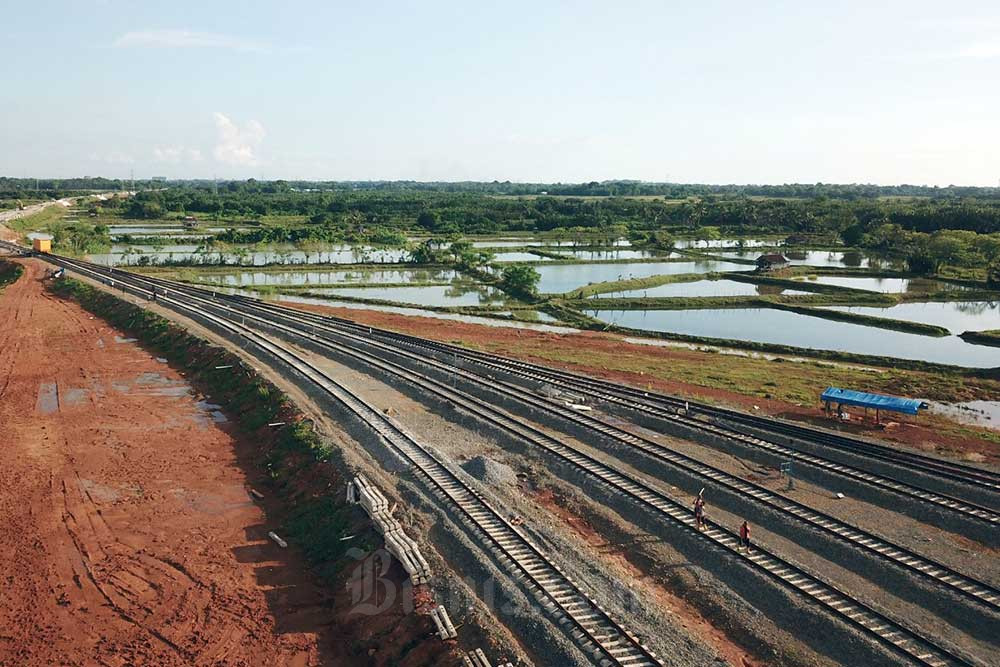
{"x":899,"y":556}
{"x":971,"y":475}
{"x":891,"y":633}
{"x":942,"y":501}
{"x":602,"y":637}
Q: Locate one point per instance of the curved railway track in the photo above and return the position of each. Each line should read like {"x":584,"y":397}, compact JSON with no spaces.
{"x":624,"y":394}
{"x":637,"y":400}
{"x":890,"y":633}
{"x":985,"y":515}
{"x":604,"y":639}
{"x":913,"y":563}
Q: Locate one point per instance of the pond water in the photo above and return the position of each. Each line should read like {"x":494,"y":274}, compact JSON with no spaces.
{"x":337,"y":254}
{"x":785,"y":328}
{"x":139,"y":239}
{"x":808,"y":257}
{"x":518,"y":243}
{"x":956,"y":316}
{"x":293,"y":278}
{"x":457,"y":294}
{"x":979,"y":413}
{"x":565,"y":277}
{"x":146,"y":229}
{"x":703,"y":288}
{"x":416,"y":312}
{"x":519,"y":257}
{"x":883,"y":284}
{"x":605,"y":255}
{"x":726,"y":243}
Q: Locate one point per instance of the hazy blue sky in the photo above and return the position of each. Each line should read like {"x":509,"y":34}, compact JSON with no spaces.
{"x":720,"y":92}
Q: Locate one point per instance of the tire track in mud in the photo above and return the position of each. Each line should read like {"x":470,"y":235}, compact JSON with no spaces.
{"x":117,"y":550}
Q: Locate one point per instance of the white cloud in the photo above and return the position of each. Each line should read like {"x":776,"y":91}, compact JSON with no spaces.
{"x":176,"y":154}
{"x":237,"y":145}
{"x":186,"y":39}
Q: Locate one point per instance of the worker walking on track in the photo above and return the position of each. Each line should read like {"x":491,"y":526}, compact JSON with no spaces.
{"x":699,"y":510}
{"x":745,"y":536}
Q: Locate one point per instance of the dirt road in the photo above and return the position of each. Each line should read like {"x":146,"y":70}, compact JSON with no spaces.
{"x":128,"y":537}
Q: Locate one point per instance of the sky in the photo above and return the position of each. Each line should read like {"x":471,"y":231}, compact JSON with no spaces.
{"x":710,"y":92}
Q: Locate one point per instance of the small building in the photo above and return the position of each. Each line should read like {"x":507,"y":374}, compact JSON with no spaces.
{"x":42,"y":245}
{"x":877,"y":402}
{"x":771,"y":262}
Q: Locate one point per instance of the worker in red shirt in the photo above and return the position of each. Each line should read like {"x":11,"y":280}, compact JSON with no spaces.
{"x":745,"y":536}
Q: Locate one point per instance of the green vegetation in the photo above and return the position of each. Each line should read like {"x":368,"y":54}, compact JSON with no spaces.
{"x":9,"y":272}
{"x":520,"y":280}
{"x":926,"y":253}
{"x":832,"y":212}
{"x":991,"y":337}
{"x":637,"y":283}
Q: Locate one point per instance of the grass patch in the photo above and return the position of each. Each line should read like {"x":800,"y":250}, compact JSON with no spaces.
{"x":9,"y":272}
{"x":46,"y":220}
{"x":637,"y":283}
{"x":991,"y":337}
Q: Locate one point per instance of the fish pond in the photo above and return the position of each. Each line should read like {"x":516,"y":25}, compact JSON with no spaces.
{"x":326,"y":278}
{"x":557,"y":278}
{"x":697,"y":288}
{"x":597,"y":255}
{"x":836,"y":258}
{"x":779,"y":327}
{"x":886,"y":285}
{"x":187,"y":254}
{"x":457,"y":294}
{"x":726,"y":243}
{"x":956,"y":316}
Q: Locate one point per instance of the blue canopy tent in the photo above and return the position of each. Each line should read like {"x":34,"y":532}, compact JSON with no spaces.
{"x":878,"y":402}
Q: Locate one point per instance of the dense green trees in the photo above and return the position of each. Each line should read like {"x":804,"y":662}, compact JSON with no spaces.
{"x":926,"y":253}
{"x":520,"y":280}
{"x":448,"y":213}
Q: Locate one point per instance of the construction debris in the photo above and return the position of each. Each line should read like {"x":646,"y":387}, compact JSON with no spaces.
{"x":398,"y":543}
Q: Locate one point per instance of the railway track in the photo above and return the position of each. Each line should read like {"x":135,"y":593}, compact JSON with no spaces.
{"x":905,"y":559}
{"x":630,"y":396}
{"x":632,"y":399}
{"x":909,"y":643}
{"x":985,"y":515}
{"x":605,"y":640}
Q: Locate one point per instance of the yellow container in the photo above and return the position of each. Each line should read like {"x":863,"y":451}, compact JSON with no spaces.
{"x":42,"y":245}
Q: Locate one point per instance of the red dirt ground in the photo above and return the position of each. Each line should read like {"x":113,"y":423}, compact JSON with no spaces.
{"x":129,"y":536}
{"x":512,"y":342}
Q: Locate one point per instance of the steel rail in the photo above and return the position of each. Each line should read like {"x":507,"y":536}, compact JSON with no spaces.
{"x":906,"y":559}
{"x":603,"y":638}
{"x":910,"y":643}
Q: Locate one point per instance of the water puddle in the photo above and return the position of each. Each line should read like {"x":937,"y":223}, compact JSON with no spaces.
{"x":74,"y":396}
{"x":213,"y":410}
{"x":975,"y":413}
{"x":48,"y":398}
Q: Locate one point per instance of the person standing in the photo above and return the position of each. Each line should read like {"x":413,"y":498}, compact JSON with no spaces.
{"x":745,"y":536}
{"x":699,"y":510}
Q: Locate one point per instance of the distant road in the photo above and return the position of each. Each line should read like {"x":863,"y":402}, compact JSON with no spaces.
{"x":7,"y":234}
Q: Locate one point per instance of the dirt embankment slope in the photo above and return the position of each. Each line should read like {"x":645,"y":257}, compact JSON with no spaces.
{"x":129,"y":537}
